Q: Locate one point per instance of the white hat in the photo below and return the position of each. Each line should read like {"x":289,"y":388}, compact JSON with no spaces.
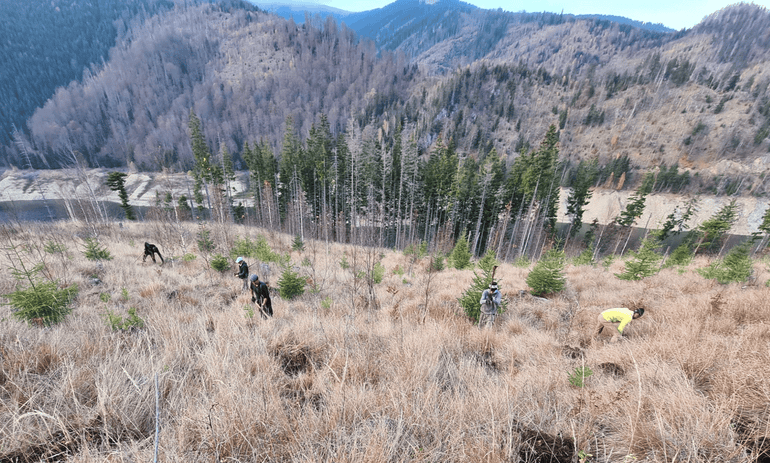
{"x":239,"y":260}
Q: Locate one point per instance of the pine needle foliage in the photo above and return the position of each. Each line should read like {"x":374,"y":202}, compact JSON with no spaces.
{"x":585,"y":258}
{"x":470,"y":298}
{"x":39,"y":301}
{"x":95,"y":251}
{"x":547,"y":277}
{"x":220,"y":263}
{"x":298,"y":244}
{"x":116,"y":181}
{"x":681,"y":256}
{"x":461,"y":254}
{"x":642,"y":263}
{"x":736,"y":267}
{"x":290,"y":284}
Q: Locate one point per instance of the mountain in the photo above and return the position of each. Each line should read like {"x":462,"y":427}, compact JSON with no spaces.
{"x":695,"y":99}
{"x":47,"y":44}
{"x":298,"y":11}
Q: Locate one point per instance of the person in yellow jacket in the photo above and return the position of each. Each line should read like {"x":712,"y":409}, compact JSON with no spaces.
{"x":617,"y":319}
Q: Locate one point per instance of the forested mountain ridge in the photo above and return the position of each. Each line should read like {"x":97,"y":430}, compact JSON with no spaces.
{"x":47,"y":44}
{"x":696,"y":99}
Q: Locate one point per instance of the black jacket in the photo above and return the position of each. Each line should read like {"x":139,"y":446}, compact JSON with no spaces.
{"x":243,"y":270}
{"x":261,"y":295}
{"x":260,"y":292}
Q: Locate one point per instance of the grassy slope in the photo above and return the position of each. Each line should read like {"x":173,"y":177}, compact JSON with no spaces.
{"x":336,"y":381}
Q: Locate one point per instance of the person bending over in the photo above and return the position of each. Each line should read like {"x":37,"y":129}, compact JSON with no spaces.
{"x":150,"y":250}
{"x":260,"y":295}
{"x":615,"y":320}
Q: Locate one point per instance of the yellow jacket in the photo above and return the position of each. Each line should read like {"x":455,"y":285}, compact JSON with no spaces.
{"x":621,"y":314}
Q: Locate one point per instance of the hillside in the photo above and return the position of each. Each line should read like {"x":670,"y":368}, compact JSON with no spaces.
{"x":173,"y":363}
{"x":47,"y":44}
{"x":696,"y":98}
{"x":480,"y":129}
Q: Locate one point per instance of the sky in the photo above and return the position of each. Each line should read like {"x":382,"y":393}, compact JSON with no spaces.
{"x":676,"y":14}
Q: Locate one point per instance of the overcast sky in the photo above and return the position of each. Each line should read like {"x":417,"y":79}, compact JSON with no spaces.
{"x":676,"y":14}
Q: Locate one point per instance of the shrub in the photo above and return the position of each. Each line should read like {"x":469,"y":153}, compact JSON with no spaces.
{"x":249,"y":309}
{"x":94,"y":251}
{"x":52,"y":247}
{"x":290,"y":284}
{"x":585,"y":258}
{"x":521,"y":262}
{"x":438,"y":263}
{"x":418,"y":252}
{"x":298,"y":244}
{"x":547,"y":276}
{"x":205,"y":243}
{"x":42,"y":300}
{"x":242,"y":247}
{"x":461,"y":254}
{"x":681,"y":257}
{"x":117,"y":323}
{"x":344,"y":262}
{"x":608,"y":260}
{"x":735,"y":267}
{"x":220,"y":263}
{"x":642,"y":263}
{"x":264,"y":253}
{"x":469,"y":300}
{"x":378,"y":272}
{"x":578,"y":376}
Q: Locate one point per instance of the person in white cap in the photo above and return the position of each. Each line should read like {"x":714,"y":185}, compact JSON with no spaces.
{"x":243,"y":273}
{"x":490,"y":304}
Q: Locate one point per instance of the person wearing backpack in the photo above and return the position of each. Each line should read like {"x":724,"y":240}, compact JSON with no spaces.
{"x":260,"y":295}
{"x":490,"y":304}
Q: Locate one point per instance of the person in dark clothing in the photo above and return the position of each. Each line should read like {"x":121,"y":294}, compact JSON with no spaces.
{"x":243,"y":273}
{"x":150,"y":250}
{"x":260,"y":295}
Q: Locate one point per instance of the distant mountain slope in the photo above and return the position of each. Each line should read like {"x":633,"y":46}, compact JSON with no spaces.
{"x":653,"y":27}
{"x":298,"y":11}
{"x":696,"y":100}
{"x":46,"y":44}
{"x":243,"y":73}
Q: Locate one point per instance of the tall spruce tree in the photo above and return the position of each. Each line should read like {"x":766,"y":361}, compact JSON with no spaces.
{"x":116,"y":181}
{"x":580,"y":193}
{"x":202,"y":168}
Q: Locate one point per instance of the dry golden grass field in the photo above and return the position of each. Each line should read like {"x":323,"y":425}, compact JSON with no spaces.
{"x":342,"y":374}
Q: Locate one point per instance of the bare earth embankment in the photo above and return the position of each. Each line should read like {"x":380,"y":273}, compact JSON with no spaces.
{"x":25,"y":186}
{"x":342,"y":374}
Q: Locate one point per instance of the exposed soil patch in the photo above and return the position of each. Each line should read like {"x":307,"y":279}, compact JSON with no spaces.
{"x":751,"y":434}
{"x":62,"y":444}
{"x":540,"y":447}
{"x":575,"y":353}
{"x":294,"y":359}
{"x":612,"y":369}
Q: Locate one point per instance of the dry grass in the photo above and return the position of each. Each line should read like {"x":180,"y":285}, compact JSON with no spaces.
{"x":336,"y":377}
